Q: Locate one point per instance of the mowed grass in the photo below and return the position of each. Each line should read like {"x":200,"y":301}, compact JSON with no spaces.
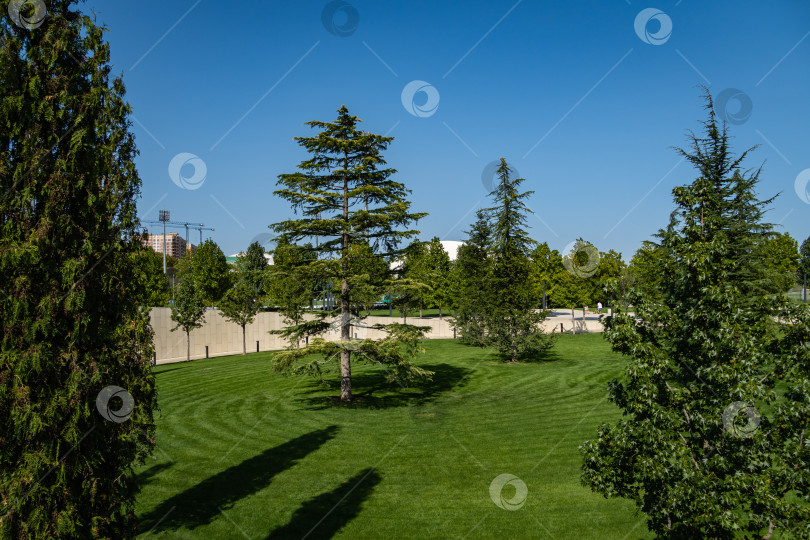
{"x":247,"y":453}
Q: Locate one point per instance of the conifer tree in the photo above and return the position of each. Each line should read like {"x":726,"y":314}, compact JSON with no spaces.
{"x":344,"y":194}
{"x":76,"y":390}
{"x":512,"y":320}
{"x":472,"y":275}
{"x":716,"y":396}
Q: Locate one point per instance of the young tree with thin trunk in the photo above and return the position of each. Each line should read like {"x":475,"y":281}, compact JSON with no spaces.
{"x":188,"y":309}
{"x":437,"y":262}
{"x":416,"y":269}
{"x":713,"y":441}
{"x":240,"y":305}
{"x":344,"y":194}
{"x":73,"y":321}
{"x":547,"y":264}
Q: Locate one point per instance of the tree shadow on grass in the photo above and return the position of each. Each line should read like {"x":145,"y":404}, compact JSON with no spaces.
{"x":146,"y":476}
{"x":162,"y":371}
{"x":323,"y":516}
{"x":202,"y":503}
{"x":549,"y":355}
{"x":388,"y":394}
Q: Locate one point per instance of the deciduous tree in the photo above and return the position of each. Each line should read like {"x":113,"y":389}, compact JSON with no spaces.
{"x":211,"y":271}
{"x":240,"y":305}
{"x":188,"y":308}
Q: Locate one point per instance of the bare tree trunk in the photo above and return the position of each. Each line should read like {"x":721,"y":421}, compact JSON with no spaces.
{"x":440,"y":311}
{"x":345,"y":354}
{"x":420,"y":311}
{"x":188,"y":346}
{"x":244,"y":346}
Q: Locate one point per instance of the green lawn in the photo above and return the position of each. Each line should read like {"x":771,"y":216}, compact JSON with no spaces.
{"x":246,"y":453}
{"x":796,"y":294}
{"x":432,"y":312}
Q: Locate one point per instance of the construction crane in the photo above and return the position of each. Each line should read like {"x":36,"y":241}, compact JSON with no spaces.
{"x":178,"y":224}
{"x":164,"y":220}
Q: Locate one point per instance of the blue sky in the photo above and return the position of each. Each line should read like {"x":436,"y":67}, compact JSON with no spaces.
{"x":581,"y":104}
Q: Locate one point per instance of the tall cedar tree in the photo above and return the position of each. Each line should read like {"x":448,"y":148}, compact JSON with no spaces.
{"x":513,"y":322}
{"x":71,"y":323}
{"x":472,"y":276}
{"x":716,"y":395}
{"x":344,"y":194}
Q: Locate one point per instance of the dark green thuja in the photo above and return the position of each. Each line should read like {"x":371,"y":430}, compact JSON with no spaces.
{"x":72,"y":315}
{"x":344,"y":195}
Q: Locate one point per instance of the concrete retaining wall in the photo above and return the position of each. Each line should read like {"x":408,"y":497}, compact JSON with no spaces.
{"x":223,"y":337}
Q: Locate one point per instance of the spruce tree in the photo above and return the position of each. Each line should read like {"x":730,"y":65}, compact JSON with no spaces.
{"x":716,"y":395}
{"x":76,"y":391}
{"x":344,"y":194}
{"x":512,"y":320}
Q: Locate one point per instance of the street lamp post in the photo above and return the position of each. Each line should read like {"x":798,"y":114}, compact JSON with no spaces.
{"x":163,"y":215}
